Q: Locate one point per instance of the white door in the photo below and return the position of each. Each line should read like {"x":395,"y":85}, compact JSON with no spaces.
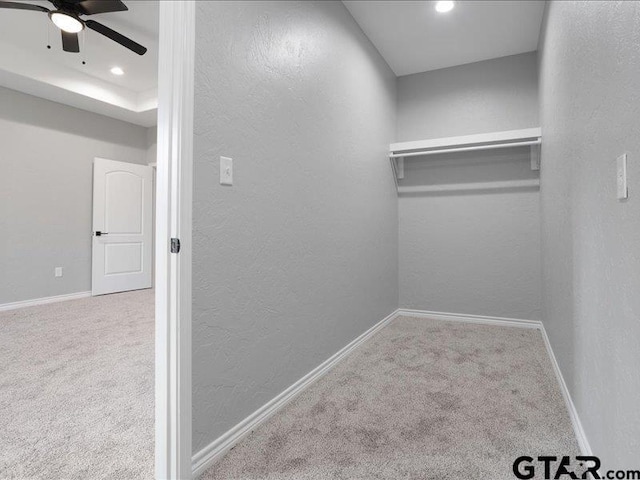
{"x":122,"y":226}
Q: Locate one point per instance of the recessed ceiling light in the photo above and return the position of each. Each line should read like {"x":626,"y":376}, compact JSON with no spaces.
{"x":445,"y":6}
{"x":67,"y":22}
{"x":117,"y":71}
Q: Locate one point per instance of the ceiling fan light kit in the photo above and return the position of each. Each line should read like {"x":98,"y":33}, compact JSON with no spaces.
{"x":66,"y":22}
{"x":66,"y":17}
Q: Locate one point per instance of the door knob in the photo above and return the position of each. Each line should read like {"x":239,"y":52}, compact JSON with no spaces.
{"x":99,"y":233}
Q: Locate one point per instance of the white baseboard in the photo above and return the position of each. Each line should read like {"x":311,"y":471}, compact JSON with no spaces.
{"x":583,"y":443}
{"x":43,"y":301}
{"x":213,"y":452}
{"x":210,"y":454}
{"x":462,"y":317}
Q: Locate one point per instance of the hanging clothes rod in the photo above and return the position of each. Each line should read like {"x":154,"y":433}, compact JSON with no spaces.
{"x":462,"y":187}
{"x":489,"y":146}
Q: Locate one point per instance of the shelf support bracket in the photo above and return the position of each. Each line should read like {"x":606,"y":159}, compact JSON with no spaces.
{"x":394,"y":170}
{"x":535,"y":157}
{"x":400,"y":167}
{"x":397,"y":168}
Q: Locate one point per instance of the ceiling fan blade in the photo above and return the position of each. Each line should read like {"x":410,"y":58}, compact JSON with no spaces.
{"x":23,"y":6}
{"x":91,"y":7}
{"x":116,"y":37}
{"x":70,"y":42}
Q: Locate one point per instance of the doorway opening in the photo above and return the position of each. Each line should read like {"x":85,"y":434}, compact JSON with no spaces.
{"x":77,"y":295}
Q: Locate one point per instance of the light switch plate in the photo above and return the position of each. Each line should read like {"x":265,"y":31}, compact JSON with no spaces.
{"x":58,"y":271}
{"x":226,"y":171}
{"x":621,"y":177}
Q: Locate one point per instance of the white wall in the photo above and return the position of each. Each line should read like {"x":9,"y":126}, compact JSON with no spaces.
{"x":475,"y":252}
{"x":46,"y":159}
{"x":299,"y":257}
{"x":590,"y":112}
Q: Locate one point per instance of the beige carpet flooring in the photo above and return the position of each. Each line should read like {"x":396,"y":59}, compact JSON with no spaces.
{"x":422,"y":399}
{"x":76,"y":389}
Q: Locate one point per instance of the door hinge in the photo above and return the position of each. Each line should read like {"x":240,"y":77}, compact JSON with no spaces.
{"x":175,"y":245}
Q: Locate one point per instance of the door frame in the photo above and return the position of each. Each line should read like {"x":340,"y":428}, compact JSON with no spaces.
{"x":174,"y":183}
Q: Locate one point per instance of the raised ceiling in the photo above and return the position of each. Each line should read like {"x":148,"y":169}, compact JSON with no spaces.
{"x":26,"y":64}
{"x":412,"y":37}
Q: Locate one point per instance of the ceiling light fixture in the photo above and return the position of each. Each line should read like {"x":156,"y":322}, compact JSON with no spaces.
{"x":66,"y":21}
{"x":117,"y":71}
{"x":445,"y":6}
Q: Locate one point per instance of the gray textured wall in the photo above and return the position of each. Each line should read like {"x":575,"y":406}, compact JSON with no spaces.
{"x":474,"y":252}
{"x":46,"y":157}
{"x":590,"y":111}
{"x":488,"y":96}
{"x":299,"y":257}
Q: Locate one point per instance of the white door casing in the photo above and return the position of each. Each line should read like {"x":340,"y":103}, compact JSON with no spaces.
{"x":174,"y":220}
{"x":122,"y":227}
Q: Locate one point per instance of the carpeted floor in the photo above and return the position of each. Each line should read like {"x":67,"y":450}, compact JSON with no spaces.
{"x":423,"y":399}
{"x":76,"y":389}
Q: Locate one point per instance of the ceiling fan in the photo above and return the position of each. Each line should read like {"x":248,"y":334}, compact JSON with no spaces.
{"x":66,"y":17}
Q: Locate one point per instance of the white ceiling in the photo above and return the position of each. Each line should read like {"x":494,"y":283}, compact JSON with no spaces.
{"x":27,"y":65}
{"x":412,"y":37}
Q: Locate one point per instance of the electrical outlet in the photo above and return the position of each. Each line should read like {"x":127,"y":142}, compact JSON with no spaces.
{"x":58,"y":271}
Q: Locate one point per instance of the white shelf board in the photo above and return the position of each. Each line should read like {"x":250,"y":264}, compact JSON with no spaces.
{"x":486,"y":139}
{"x":472,"y":148}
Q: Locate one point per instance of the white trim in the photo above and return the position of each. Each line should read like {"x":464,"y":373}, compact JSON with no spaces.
{"x":206,"y":457}
{"x":583,"y":443}
{"x":213,"y":452}
{"x":467,"y":140}
{"x":463,"y":317}
{"x":173,"y":219}
{"x":43,"y":301}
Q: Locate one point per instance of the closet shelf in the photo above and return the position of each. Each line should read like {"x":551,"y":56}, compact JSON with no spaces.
{"x":531,"y":137}
{"x":483,"y":141}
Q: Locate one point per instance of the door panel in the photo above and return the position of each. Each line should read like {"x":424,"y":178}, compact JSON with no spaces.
{"x":124,"y":203}
{"x":122,"y":224}
{"x":123,"y":258}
